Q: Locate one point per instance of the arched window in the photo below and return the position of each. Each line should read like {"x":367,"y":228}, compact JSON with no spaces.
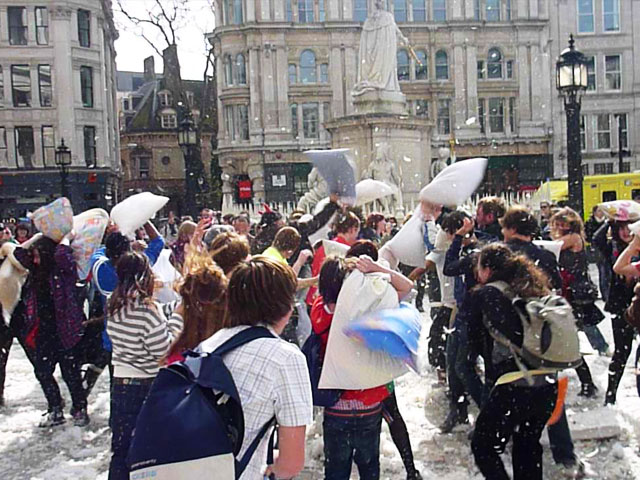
{"x":228,"y":70}
{"x":293,"y":74}
{"x":400,"y":10}
{"x":241,"y":71}
{"x":442,"y":65}
{"x":421,"y":69}
{"x":494,"y":63}
{"x":403,"y":65}
{"x":308,"y":67}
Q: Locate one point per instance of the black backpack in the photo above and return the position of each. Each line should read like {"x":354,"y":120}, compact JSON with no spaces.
{"x":312,"y":349}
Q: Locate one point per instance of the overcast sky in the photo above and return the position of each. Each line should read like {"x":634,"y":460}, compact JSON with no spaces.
{"x":131,"y":49}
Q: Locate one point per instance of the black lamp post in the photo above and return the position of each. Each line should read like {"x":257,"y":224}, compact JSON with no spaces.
{"x":187,"y":140}
{"x":63,"y":161}
{"x":571,"y":81}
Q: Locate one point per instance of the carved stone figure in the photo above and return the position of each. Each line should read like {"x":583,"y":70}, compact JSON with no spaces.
{"x":384,"y":169}
{"x":318,"y":189}
{"x":377,"y":68}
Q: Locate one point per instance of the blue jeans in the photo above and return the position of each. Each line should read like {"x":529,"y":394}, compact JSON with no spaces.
{"x":461,"y":372}
{"x":560,"y":440}
{"x":126,"y":403}
{"x":595,"y":338}
{"x":352,"y":438}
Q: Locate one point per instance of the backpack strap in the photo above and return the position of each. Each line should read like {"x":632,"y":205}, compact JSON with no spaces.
{"x":241,"y":464}
{"x":245,"y":336}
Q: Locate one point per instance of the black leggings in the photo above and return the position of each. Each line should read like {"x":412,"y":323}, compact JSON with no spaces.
{"x":584,"y":374}
{"x":623,"y":334}
{"x":398,"y":429}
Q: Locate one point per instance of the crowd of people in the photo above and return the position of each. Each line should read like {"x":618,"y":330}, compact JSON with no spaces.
{"x":233,"y":273}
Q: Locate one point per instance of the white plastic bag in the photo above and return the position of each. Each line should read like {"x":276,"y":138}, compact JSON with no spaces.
{"x":348,"y":364}
{"x":136,"y":210}
{"x":456,"y":183}
{"x":89,"y":228}
{"x":166,"y":274}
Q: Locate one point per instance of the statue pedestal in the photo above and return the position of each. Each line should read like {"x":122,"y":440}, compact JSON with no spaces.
{"x":380,"y":101}
{"x":408,"y":136}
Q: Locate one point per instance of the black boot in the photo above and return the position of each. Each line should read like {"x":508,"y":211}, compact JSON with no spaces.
{"x":90,"y":377}
{"x":457,"y":416}
{"x":588,"y":390}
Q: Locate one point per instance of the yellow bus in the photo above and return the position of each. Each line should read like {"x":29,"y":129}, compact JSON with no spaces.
{"x":596,"y":189}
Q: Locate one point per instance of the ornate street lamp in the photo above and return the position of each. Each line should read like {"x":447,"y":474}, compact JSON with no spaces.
{"x":187,"y":140}
{"x":571,"y":81}
{"x":63,"y":161}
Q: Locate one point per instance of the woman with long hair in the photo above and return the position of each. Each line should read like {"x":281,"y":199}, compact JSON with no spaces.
{"x":203,"y":292}
{"x":141,"y":337}
{"x":516,"y":408}
{"x":567,"y":226}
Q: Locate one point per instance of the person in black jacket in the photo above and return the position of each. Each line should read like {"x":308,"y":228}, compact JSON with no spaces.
{"x":516,"y":408}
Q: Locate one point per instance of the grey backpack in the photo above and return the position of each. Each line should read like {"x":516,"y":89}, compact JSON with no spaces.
{"x":550,"y":336}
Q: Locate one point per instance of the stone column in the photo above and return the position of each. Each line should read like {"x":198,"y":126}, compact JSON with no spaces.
{"x":336,"y":76}
{"x":256,"y":174}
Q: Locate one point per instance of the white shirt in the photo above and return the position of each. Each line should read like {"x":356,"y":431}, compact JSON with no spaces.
{"x":272,"y":378}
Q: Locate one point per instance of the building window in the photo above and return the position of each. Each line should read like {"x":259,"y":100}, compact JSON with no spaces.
{"x":611,"y":15}
{"x":494,"y":64}
{"x":48,"y":146}
{"x":591,"y":73}
{"x":480,"y":69}
{"x":237,"y":118}
{"x":324,"y":73}
{"x":294,"y":120}
{"x":444,"y":120}
{"x":509,"y":64}
{"x":228,"y":70}
{"x":419,"y":11}
{"x":42,"y":25}
{"x":164,"y":98}
{"x":84,"y":28}
{"x":143,"y":164}
{"x":1,"y":86}
{"x":310,"y":120}
{"x":243,"y":121}
{"x":492,"y":10}
{"x":626,"y":167}
{"x":481,"y":109}
{"x":602,"y":168}
{"x":4,"y":160}
{"x":288,"y":11}
{"x":305,"y":11}
{"x":293,"y":74}
{"x":44,"y":85}
{"x":189,"y":97}
{"x":21,"y":85}
{"x":17,"y":25}
{"x":321,"y":11}
{"x":308,"y":67}
{"x":25,"y":148}
{"x":400,"y":10}
{"x":422,"y":108}
{"x":90,"y":151}
{"x":442,"y":65}
{"x":583,"y":133}
{"x":86,"y":86}
{"x":585,"y":169}
{"x":360,"y":10}
{"x":403,"y":65}
{"x":439,"y":10}
{"x":585,"y":16}
{"x":476,"y":9}
{"x":496,"y":115}
{"x":234,"y":12}
{"x":623,"y":132}
{"x":603,"y":132}
{"x":508,"y":9}
{"x":612,"y":77}
{"x":512,"y":114}
{"x":241,"y":70}
{"x":169,"y":120}
{"x":421,"y":67}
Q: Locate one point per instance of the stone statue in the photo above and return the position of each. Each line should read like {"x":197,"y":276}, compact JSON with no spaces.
{"x":377,"y":68}
{"x":318,"y":189}
{"x":384,"y":169}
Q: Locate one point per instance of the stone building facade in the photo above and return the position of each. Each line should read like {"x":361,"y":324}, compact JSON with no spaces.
{"x":57,"y":81}
{"x":482,"y":74}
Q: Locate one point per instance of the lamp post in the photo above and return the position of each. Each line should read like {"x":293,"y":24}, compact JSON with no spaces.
{"x":63,"y":161}
{"x":187,"y":140}
{"x":571,"y":81}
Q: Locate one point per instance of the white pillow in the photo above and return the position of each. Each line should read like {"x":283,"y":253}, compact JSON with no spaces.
{"x":456,"y":183}
{"x":133,"y":212}
{"x":339,"y":171}
{"x":369,"y":190}
{"x":407,"y":246}
{"x":621,"y":210}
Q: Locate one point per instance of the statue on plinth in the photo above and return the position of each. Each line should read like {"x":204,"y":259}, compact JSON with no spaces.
{"x":318,"y":189}
{"x":378,"y":66}
{"x":384,"y":169}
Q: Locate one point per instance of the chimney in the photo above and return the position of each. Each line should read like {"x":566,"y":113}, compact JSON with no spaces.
{"x":171,"y":72}
{"x":149,"y":69}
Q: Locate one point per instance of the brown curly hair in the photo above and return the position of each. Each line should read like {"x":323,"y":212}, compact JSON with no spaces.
{"x":569,"y":217}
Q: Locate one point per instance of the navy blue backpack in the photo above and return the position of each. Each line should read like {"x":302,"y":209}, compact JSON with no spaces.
{"x":312,"y":349}
{"x":191,"y":425}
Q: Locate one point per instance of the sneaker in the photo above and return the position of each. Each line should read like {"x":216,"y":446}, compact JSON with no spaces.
{"x":573,"y":469}
{"x":52,"y":418}
{"x":414,"y":475}
{"x":80,"y":418}
{"x":588,"y":390}
{"x":456,"y":417}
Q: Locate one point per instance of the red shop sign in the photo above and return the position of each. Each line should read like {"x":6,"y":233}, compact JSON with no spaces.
{"x":244,"y":189}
